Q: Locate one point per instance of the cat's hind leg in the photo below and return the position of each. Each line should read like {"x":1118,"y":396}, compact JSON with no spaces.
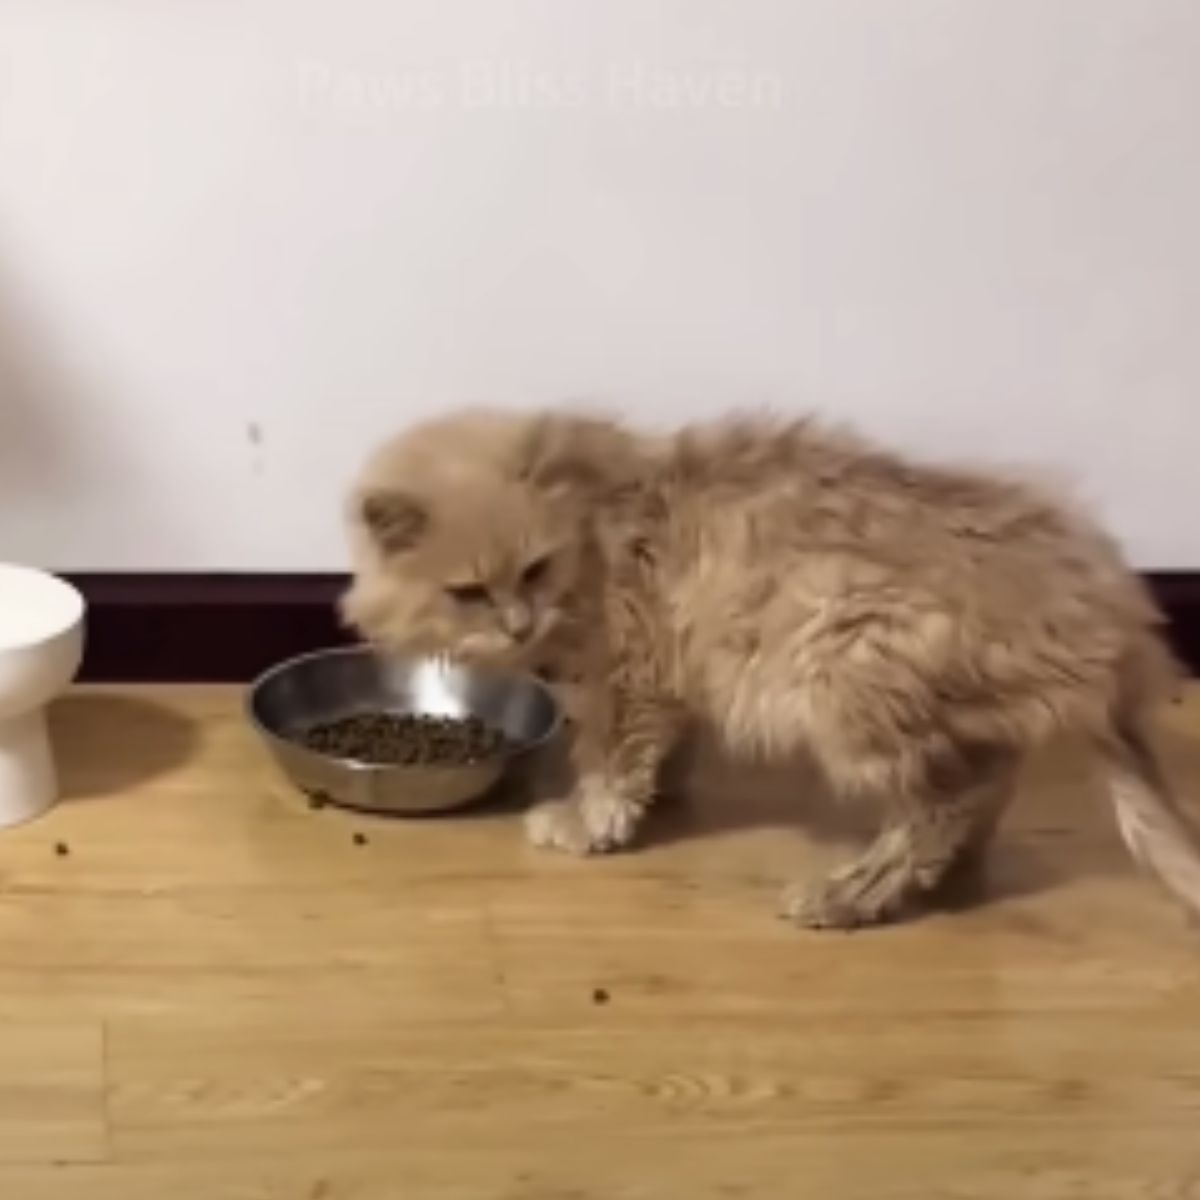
{"x":937,"y":816}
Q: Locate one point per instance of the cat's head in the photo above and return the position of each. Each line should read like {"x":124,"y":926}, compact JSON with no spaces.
{"x":469,"y":533}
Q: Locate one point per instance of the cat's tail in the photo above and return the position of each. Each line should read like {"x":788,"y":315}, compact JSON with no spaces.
{"x":1159,"y":833}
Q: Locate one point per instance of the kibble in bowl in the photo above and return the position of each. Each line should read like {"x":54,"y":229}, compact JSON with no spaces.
{"x":407,"y":739}
{"x":398,"y":735}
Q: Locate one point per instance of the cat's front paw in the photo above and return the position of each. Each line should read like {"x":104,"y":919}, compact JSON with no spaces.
{"x":593,"y":820}
{"x":558,"y":825}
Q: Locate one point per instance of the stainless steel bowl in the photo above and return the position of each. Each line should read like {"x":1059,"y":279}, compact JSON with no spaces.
{"x":331,"y":684}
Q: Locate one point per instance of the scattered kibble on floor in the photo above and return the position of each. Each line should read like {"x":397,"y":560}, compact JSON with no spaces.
{"x":600,"y":996}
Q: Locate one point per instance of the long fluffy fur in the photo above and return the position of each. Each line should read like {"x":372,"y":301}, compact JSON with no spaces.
{"x":916,"y":630}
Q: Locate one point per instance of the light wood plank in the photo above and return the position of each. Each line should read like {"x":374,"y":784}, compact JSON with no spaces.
{"x":1136,"y":1163}
{"x":51,"y":1094}
{"x":238,"y":1089}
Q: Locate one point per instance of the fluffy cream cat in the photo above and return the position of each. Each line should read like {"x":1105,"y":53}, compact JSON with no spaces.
{"x":915,"y":630}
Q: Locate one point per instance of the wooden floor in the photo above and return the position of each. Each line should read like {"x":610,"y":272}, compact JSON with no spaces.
{"x":210,"y":992}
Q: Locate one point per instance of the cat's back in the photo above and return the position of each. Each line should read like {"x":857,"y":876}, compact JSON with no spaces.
{"x":752,"y":499}
{"x":820,"y":486}
{"x":799,"y":548}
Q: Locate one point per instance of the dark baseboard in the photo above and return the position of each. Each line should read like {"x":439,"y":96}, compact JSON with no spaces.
{"x":228,"y":628}
{"x":1178,"y":595}
{"x":204,"y":628}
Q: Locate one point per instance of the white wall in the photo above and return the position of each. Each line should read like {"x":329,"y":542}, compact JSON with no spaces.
{"x":241,"y":239}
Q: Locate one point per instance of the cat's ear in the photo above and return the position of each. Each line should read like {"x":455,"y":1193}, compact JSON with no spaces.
{"x":396,"y":520}
{"x":569,"y":454}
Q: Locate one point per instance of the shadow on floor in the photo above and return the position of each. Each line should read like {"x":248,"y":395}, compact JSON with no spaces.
{"x":116,"y":742}
{"x":1051,"y":838}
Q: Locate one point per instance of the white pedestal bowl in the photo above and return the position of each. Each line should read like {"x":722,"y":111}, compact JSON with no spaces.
{"x":41,"y":645}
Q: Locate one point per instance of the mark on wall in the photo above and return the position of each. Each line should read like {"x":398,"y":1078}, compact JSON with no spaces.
{"x":257,"y":440}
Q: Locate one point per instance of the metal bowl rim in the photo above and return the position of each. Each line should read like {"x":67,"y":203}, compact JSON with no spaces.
{"x":358,"y":765}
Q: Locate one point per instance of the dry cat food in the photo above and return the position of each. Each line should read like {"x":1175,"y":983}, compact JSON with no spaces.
{"x":388,"y":739}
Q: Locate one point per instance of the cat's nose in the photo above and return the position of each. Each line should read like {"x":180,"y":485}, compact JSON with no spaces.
{"x":518,"y":622}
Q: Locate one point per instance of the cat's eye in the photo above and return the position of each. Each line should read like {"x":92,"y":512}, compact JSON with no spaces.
{"x":536,"y":571}
{"x":468,"y":593}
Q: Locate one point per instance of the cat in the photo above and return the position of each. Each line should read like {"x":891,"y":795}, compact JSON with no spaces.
{"x":915,"y":630}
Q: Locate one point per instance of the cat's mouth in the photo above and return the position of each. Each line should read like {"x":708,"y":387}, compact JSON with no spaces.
{"x":485,"y":648}
{"x":497,"y":648}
